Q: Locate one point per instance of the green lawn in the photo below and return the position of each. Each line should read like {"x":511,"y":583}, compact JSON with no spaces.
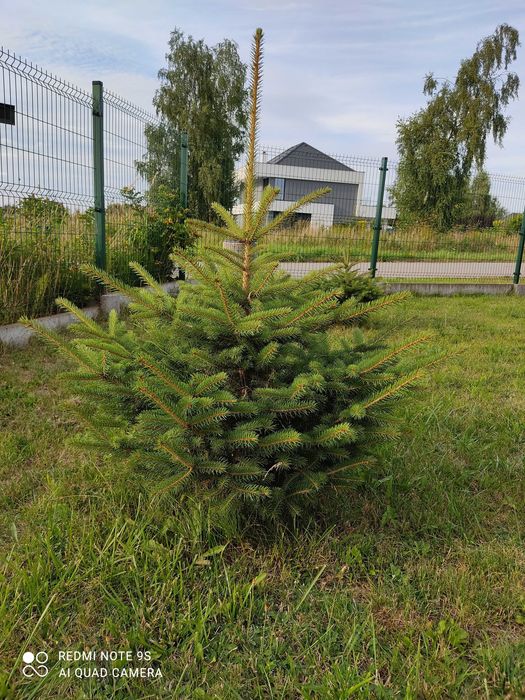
{"x":310,"y":251}
{"x":417,"y":591}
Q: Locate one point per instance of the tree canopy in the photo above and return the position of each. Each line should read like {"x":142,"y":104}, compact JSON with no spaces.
{"x":441,"y":144}
{"x":203,"y":93}
{"x":480,"y":207}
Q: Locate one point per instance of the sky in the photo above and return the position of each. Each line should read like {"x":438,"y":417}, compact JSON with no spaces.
{"x":336,"y":74}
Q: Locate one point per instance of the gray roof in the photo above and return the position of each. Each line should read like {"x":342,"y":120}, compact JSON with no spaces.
{"x":306,"y":156}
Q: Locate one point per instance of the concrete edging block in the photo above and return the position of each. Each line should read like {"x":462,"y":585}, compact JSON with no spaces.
{"x":445,"y":289}
{"x":17,"y":335}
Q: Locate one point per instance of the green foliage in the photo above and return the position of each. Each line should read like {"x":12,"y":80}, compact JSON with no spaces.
{"x":356,"y":286}
{"x":42,"y":212}
{"x":479,"y":208}
{"x":83,"y":552}
{"x":165,"y":228}
{"x":202,"y":93}
{"x":43,"y":245}
{"x":440,"y":144}
{"x":234,"y":392}
{"x":509,"y":225}
{"x":161,"y":227}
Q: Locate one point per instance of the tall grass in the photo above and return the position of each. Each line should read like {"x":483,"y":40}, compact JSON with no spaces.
{"x":40,"y":258}
{"x":306,"y":243}
{"x":38,"y":266}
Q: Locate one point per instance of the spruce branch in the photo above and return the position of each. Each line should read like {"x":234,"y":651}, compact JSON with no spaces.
{"x":106,"y":346}
{"x":177,"y":457}
{"x":391,"y":355}
{"x":255,"y":87}
{"x":313,"y":306}
{"x":210,"y":383}
{"x":347,"y":466}
{"x":226,"y":305}
{"x":176,"y":385}
{"x":172,"y":484}
{"x":351,"y":312}
{"x":86,"y":321}
{"x":301,"y":202}
{"x":271,"y":271}
{"x":60,"y":343}
{"x":229,"y":255}
{"x":187,"y":260}
{"x":152,"y":396}
{"x":107,"y":280}
{"x":393,"y":390}
{"x":268,"y":196}
{"x":151,"y":282}
{"x":199,"y":227}
{"x":231,"y":225}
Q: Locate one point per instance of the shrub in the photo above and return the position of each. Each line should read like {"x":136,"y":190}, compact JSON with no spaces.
{"x":43,"y":244}
{"x":155,"y":225}
{"x":165,"y":229}
{"x":354,"y":285}
{"x":511,"y":224}
{"x":234,"y":391}
{"x":44,"y":214}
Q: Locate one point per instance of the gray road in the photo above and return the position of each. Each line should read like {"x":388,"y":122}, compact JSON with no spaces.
{"x":413,"y":270}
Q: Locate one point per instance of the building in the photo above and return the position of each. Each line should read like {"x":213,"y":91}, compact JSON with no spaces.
{"x":301,"y":169}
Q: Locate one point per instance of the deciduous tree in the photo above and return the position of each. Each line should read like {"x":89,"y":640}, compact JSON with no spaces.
{"x":441,"y":144}
{"x":203,"y":93}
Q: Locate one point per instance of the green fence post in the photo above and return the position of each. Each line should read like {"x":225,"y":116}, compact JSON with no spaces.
{"x":98,"y":173}
{"x":183,"y":170}
{"x":519,"y":255}
{"x":379,"y":215}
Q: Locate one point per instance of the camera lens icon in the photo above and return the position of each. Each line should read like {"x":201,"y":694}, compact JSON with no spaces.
{"x":35,"y":664}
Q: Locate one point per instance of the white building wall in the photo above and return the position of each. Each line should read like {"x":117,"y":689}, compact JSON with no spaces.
{"x":321,"y":214}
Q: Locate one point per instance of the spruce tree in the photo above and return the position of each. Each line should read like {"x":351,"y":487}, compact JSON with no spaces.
{"x":235,"y":391}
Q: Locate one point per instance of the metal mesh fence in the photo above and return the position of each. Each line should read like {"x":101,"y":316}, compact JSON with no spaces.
{"x":46,"y":188}
{"x":128,"y":233}
{"x":48,"y":224}
{"x":482,"y":243}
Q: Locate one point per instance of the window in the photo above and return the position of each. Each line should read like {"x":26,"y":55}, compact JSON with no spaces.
{"x":7,"y":114}
{"x":279,"y":182}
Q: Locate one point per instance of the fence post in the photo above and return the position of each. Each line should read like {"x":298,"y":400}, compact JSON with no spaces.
{"x":519,"y":255}
{"x":183,"y":174}
{"x":98,"y":173}
{"x":379,"y":215}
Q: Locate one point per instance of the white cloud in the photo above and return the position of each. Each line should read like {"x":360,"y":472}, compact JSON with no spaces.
{"x":337,"y":74}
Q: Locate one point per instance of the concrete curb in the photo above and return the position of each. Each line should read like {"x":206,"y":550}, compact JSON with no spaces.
{"x":448,"y":289}
{"x":17,"y":335}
